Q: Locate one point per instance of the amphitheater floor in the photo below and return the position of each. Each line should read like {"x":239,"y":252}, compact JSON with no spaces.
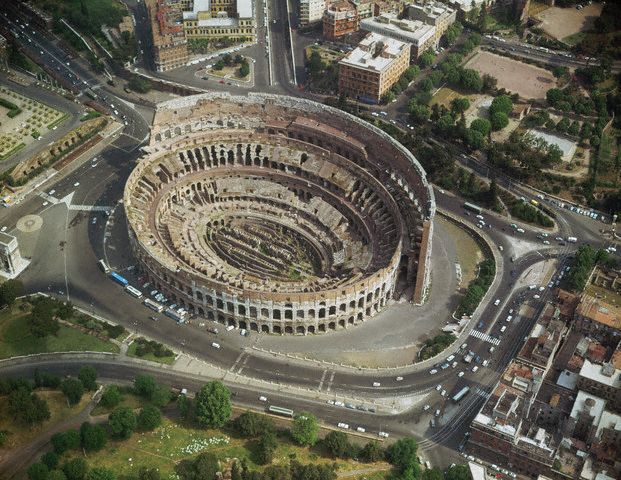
{"x":393,"y":336}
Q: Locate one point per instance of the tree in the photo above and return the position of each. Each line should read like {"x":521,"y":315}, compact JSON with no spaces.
{"x":149,"y":418}
{"x":88,"y":377}
{"x":213,"y":404}
{"x":206,"y":466}
{"x":9,"y":291}
{"x":471,"y":80}
{"x":337,"y":444}
{"x":73,"y":390}
{"x":402,"y":453}
{"x":244,"y":69}
{"x":63,"y":441}
{"x":93,"y":437}
{"x":432,"y":474}
{"x":122,"y":422}
{"x":235,"y":473}
{"x":250,"y":424}
{"x":481,"y":125}
{"x":372,"y":452}
{"x":499,"y":120}
{"x":111,"y":397}
{"x":489,"y":83}
{"x":41,"y":320}
{"x":419,"y":113}
{"x":50,"y":459}
{"x":75,"y":469}
{"x":139,"y":84}
{"x":574,"y":128}
{"x":145,"y":385}
{"x":445,"y":124}
{"x":38,"y":471}
{"x":56,"y":475}
{"x":266,"y":448}
{"x":389,"y":96}
{"x":459,"y":105}
{"x":458,"y":472}
{"x":555,"y":95}
{"x":185,"y":406}
{"x":563,"y":125}
{"x":502,"y":103}
{"x":426,"y":59}
{"x":305,"y":429}
{"x":315,"y":64}
{"x":219,"y":65}
{"x":474,"y":139}
{"x":161,"y":396}
{"x":100,"y":473}
{"x":27,"y":407}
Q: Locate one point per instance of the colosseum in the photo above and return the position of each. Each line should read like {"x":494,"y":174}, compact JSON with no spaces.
{"x":278,"y":214}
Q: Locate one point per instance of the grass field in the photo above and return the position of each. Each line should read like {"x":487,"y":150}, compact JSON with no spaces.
{"x":16,"y":339}
{"x":173,"y":442}
{"x":129,"y":400}
{"x":59,"y":411}
{"x":468,"y":252}
{"x":131,"y":351}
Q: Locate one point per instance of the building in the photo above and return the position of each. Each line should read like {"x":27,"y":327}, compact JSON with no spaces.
{"x":418,"y":34}
{"x":437,"y":14}
{"x":217,"y":19}
{"x":339,"y":19}
{"x":4,"y":52}
{"x":11,"y":261}
{"x":541,"y":345}
{"x":597,"y":319}
{"x":365,"y":8}
{"x":603,"y":381}
{"x":373,"y":67}
{"x":311,"y":11}
{"x":170,"y":46}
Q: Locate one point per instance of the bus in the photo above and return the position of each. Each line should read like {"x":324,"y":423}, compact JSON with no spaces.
{"x":176,"y":316}
{"x":103,"y":267}
{"x":473,"y":208}
{"x":134,"y":292}
{"x":285,"y":412}
{"x":119,"y":279}
{"x":159,"y":308}
{"x":461,"y":394}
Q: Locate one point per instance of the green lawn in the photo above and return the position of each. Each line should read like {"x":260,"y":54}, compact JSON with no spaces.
{"x":173,"y":442}
{"x":15,"y":338}
{"x":574,"y":39}
{"x":131,"y":351}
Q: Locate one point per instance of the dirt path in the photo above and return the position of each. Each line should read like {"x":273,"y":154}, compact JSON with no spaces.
{"x":16,"y":463}
{"x":363,"y":471}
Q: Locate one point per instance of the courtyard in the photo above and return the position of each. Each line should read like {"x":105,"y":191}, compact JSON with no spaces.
{"x":563,"y":23}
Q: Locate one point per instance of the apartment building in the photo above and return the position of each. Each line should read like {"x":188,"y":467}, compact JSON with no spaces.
{"x":311,"y":11}
{"x":437,"y":14}
{"x":170,"y":46}
{"x":339,"y":19}
{"x":373,"y":67}
{"x":216,"y":19}
{"x":602,"y":380}
{"x":597,"y":319}
{"x":418,"y":34}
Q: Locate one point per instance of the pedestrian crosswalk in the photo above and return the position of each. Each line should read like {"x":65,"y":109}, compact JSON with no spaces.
{"x":485,"y":337}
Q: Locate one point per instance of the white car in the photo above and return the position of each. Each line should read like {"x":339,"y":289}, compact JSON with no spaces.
{"x":399,"y":379}
{"x":215,"y":345}
{"x":262,"y":399}
{"x":433,"y":371}
{"x":342,"y":425}
{"x":338,"y":403}
{"x":426,"y":407}
{"x":361,"y":429}
{"x":383,"y":434}
{"x":460,"y":374}
{"x":229,"y":328}
{"x":242,"y":332}
{"x":438,"y":388}
{"x":377,"y":384}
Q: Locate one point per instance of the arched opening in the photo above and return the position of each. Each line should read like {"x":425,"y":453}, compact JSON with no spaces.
{"x":359,"y":317}
{"x":254,"y":327}
{"x":265,"y":329}
{"x":299,"y":329}
{"x":276,"y":314}
{"x":342,"y":307}
{"x":241,"y":309}
{"x":230,"y":322}
{"x":361,"y":303}
{"x":322,"y":313}
{"x":288,"y":314}
{"x":322,"y":327}
{"x":220,"y":318}
{"x":351,"y":320}
{"x":209,"y":315}
{"x":288,"y":329}
{"x":242,"y":324}
{"x":277,"y":329}
{"x":201,"y":312}
{"x":332,"y":310}
{"x":342,"y":323}
{"x":332,"y":326}
{"x":311,"y":329}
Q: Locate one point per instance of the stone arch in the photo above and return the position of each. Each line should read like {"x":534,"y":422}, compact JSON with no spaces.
{"x":322,"y":327}
{"x":177,"y":130}
{"x":265,"y":328}
{"x":342,"y":323}
{"x":288,"y":329}
{"x":242,"y":324}
{"x":254,"y":327}
{"x":332,"y":326}
{"x":332,"y":310}
{"x":277,"y":329}
{"x":231,"y":321}
{"x":300,"y":329}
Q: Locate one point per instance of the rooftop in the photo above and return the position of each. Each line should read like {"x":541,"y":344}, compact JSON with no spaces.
{"x":588,"y":404}
{"x":413,"y":31}
{"x":375,"y":52}
{"x":598,"y":311}
{"x":606,"y":374}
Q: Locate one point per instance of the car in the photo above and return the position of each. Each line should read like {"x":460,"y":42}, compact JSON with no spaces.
{"x":242,"y":332}
{"x":437,"y":413}
{"x":230,"y":327}
{"x":51,"y":192}
{"x":76,"y":184}
{"x":383,"y":434}
{"x":509,"y":318}
{"x":443,"y":393}
{"x":361,"y":429}
{"x":461,"y":374}
{"x":377,"y":384}
{"x":433,"y":371}
{"x":426,"y":407}
{"x":439,"y":387}
{"x":480,"y":217}
{"x":153,"y":318}
{"x":94,"y":221}
{"x":3,"y":229}
{"x":399,"y":379}
{"x":485,"y":363}
{"x":215,"y":345}
{"x":546,"y":242}
{"x":338,"y":403}
{"x":343,"y":425}
{"x":262,"y":399}
{"x":536,"y":297}
{"x":453,"y":365}
{"x":351,"y":406}
{"x":444,"y":366}
{"x":330,"y":402}
{"x":222,"y":82}
{"x":475,"y":368}
{"x":497,"y":302}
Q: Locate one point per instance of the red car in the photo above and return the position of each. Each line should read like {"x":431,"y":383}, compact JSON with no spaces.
{"x":221,"y":81}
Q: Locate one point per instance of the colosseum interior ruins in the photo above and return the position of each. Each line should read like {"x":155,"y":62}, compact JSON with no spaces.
{"x":278,"y":215}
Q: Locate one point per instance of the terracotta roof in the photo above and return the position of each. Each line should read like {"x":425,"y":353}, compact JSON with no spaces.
{"x":598,"y":311}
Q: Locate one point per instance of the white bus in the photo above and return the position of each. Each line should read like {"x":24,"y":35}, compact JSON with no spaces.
{"x":159,"y":308}
{"x":134,"y":292}
{"x":103,"y":267}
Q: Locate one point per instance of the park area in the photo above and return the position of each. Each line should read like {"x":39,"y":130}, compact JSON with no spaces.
{"x":528,"y":81}
{"x":23,"y":121}
{"x":566,"y":24}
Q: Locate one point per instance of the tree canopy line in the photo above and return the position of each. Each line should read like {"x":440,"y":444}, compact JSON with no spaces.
{"x":583,"y":263}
